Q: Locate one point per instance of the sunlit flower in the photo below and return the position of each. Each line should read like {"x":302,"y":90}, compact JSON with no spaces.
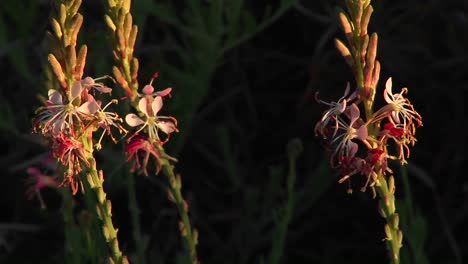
{"x":102,"y":118}
{"x":70,"y":152}
{"x":59,"y":114}
{"x":401,"y":140}
{"x":90,"y":83}
{"x":331,"y":115}
{"x":398,"y":110}
{"x":343,"y":143}
{"x":150,"y":107}
{"x":139,"y":151}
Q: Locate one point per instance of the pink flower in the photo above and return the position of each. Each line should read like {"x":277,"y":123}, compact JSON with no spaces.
{"x":70,"y":152}
{"x":336,"y":109}
{"x":398,"y":110}
{"x":401,"y":139}
{"x":100,"y":118}
{"x":90,"y":83}
{"x":36,"y":181}
{"x":345,"y":147}
{"x":60,"y":115}
{"x":150,"y":107}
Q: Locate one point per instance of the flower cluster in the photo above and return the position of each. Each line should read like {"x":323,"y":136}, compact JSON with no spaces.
{"x":140,"y":147}
{"x":354,"y":150}
{"x":69,"y":116}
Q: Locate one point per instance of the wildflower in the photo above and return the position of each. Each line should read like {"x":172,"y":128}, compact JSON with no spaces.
{"x":336,"y":108}
{"x":140,"y":149}
{"x":58,"y":114}
{"x":345,"y":147}
{"x":401,"y":140}
{"x":36,"y":181}
{"x":150,"y":107}
{"x":70,"y":152}
{"x":98,"y":116}
{"x":90,"y":83}
{"x":398,"y":110}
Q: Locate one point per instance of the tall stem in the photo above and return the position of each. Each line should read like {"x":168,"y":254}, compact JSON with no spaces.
{"x":189,"y":234}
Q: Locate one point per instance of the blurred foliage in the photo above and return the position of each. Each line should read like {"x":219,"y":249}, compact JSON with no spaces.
{"x":244,"y":75}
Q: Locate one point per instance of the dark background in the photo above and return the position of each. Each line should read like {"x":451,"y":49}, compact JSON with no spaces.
{"x":238,"y":104}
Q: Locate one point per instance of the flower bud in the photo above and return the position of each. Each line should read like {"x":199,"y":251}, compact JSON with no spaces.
{"x":110,"y":23}
{"x":56,"y":27}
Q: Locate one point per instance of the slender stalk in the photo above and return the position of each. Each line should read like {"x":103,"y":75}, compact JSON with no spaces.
{"x":189,"y":234}
{"x":394,"y":236}
{"x":94,"y":187}
{"x":361,"y":56}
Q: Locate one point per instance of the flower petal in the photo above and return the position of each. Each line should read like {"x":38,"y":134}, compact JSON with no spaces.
{"x":157,"y":104}
{"x":388,"y":94}
{"x":55,"y":97}
{"x":143,"y":105}
{"x":90,"y":107}
{"x":165,"y":92}
{"x":133,"y":120}
{"x":354,"y":113}
{"x":166,"y":127}
{"x":75,"y":90}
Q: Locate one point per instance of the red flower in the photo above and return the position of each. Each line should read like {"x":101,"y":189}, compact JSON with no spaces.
{"x":140,"y":149}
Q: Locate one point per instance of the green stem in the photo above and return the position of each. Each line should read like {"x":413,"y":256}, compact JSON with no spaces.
{"x":135,"y":217}
{"x":93,"y":186}
{"x":279,"y":239}
{"x":175,"y":186}
{"x":394,"y":236}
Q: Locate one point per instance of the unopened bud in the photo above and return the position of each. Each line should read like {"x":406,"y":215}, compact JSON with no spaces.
{"x":183,"y":230}
{"x":90,"y":180}
{"x":57,"y":68}
{"x":63,"y":14}
{"x":132,"y":38}
{"x":396,"y":221}
{"x":127,"y":26}
{"x":365,"y":19}
{"x":344,"y":52}
{"x":110,"y":23}
{"x":400,"y":238}
{"x":74,"y":7}
{"x":81,"y":62}
{"x":126,"y":6}
{"x":56,"y":28}
{"x":388,"y":232}
{"x":391,"y":184}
